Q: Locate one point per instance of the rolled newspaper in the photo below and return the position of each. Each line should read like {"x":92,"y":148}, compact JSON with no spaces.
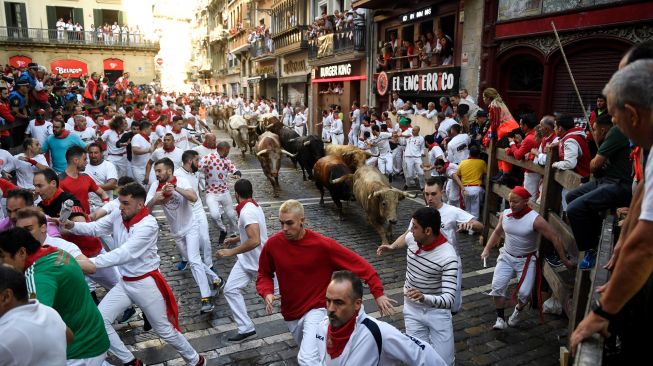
{"x":485,"y":262}
{"x":66,"y":210}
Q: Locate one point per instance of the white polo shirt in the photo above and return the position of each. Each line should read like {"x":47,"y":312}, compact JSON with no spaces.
{"x":251,"y":214}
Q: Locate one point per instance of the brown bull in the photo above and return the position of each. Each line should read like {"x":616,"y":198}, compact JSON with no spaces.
{"x":220,"y":116}
{"x":379,"y":200}
{"x":268,"y":152}
{"x":331,"y":172}
{"x":351,"y":155}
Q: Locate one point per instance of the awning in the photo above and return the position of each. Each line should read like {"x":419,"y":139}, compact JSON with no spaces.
{"x":345,"y":78}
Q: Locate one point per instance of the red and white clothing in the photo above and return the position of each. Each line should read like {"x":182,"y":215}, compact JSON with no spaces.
{"x":25,"y":170}
{"x":458,"y":148}
{"x":80,"y":187}
{"x":217,"y":171}
{"x":139,"y":162}
{"x":413,"y":159}
{"x":181,"y":139}
{"x":101,"y":174}
{"x":142,"y":284}
{"x":116,"y":155}
{"x":160,"y":153}
{"x":39,"y":131}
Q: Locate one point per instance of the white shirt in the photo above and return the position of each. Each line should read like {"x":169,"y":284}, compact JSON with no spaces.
{"x":431,"y":114}
{"x":443,"y":130}
{"x":204,"y":151}
{"x":60,"y":25}
{"x":101,"y":174}
{"x":336,"y":126}
{"x":111,"y":137}
{"x":326,"y":122}
{"x":299,"y":120}
{"x":458,"y":148}
{"x":33,"y":335}
{"x":7,"y":161}
{"x":25,"y":171}
{"x":174,"y":155}
{"x":136,"y":252}
{"x":140,"y":161}
{"x":251,"y":214}
{"x":181,"y":139}
{"x":194,"y":181}
{"x":414,"y":147}
{"x":382,"y":142}
{"x":647,"y":203}
{"x":450,"y":217}
{"x":398,"y":103}
{"x":64,"y":245}
{"x":435,"y":153}
{"x":41,"y":132}
{"x":178,"y":210}
{"x":520,"y":235}
{"x":87,"y":136}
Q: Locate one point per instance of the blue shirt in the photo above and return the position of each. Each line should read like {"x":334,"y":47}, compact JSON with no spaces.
{"x":26,"y":76}
{"x":58,"y":148}
{"x":16,"y":99}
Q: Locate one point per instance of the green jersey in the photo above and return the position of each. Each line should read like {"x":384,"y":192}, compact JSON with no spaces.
{"x":56,"y":280}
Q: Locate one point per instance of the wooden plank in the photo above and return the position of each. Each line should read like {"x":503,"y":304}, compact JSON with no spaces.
{"x":564,"y":232}
{"x":490,"y":198}
{"x":568,"y":179}
{"x":550,"y":195}
{"x":493,"y":221}
{"x":560,"y":289}
{"x":564,"y":356}
{"x":501,"y":190}
{"x":526,"y":164}
{"x":534,"y":206}
{"x":582,"y":288}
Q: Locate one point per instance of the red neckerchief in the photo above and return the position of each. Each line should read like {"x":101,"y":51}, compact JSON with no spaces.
{"x":145,"y":136}
{"x":337,"y":338}
{"x":521,"y":213}
{"x":140,"y":215}
{"x":169,"y":150}
{"x":78,"y":129}
{"x":431,"y":146}
{"x":63,"y":135}
{"x":439,"y":240}
{"x":56,"y":194}
{"x":37,"y":123}
{"x":175,"y":130}
{"x":242,"y":204}
{"x":172,"y":181}
{"x":404,"y":128}
{"x":41,"y":252}
{"x":207,"y":146}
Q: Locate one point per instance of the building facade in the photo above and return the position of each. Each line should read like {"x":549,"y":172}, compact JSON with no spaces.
{"x":522,"y":58}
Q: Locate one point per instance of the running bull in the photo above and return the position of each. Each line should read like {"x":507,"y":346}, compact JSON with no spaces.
{"x":331,"y":172}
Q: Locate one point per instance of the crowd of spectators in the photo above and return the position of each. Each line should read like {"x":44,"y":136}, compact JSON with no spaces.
{"x":427,"y":50}
{"x":108,"y":34}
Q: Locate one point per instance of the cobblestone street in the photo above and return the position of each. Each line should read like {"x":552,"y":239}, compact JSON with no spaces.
{"x":476,"y":343}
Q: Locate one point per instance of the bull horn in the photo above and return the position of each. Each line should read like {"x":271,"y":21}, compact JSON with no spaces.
{"x":306,"y":143}
{"x":287,"y":153}
{"x":251,"y":127}
{"x":261,"y":152}
{"x":293,"y":140}
{"x":406,"y":194}
{"x":340,"y":179}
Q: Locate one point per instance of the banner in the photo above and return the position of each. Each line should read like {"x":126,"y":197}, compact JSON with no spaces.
{"x":325,"y":45}
{"x":19,"y":61}
{"x":69,"y":68}
{"x":430,"y":82}
{"x":113,"y":64}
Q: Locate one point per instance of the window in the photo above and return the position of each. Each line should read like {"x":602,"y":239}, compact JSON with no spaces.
{"x":16,"y":15}
{"x":526,"y":75}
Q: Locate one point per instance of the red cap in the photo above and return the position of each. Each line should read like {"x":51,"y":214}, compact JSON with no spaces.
{"x":521,"y":192}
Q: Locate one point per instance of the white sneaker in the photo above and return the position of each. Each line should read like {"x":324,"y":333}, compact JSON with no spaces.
{"x":500,"y":324}
{"x":516,"y":317}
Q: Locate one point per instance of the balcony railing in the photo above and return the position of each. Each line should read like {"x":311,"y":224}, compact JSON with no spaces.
{"x":291,"y":36}
{"x":351,"y":39}
{"x":262,"y":47}
{"x":87,"y":38}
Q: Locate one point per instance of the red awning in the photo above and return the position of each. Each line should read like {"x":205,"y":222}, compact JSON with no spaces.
{"x":113,"y":64}
{"x":346,"y":78}
{"x":19,"y":61}
{"x":69,"y":68}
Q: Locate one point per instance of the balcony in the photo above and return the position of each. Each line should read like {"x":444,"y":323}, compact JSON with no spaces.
{"x":262,"y":49}
{"x":238,"y":42}
{"x":218,"y":34}
{"x":346,"y":40}
{"x":56,"y":38}
{"x":296,"y":36}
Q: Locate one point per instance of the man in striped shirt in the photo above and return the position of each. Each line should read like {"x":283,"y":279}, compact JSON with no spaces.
{"x":431,"y":278}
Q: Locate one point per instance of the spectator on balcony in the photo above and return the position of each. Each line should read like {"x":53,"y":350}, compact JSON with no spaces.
{"x":78,"y":31}
{"x":419,"y":109}
{"x":327,"y":25}
{"x":445,"y":106}
{"x":70,"y":29}
{"x":446,"y":51}
{"x":339,"y":19}
{"x":432,"y":41}
{"x":423,"y":54}
{"x":124,"y":34}
{"x":431,"y":112}
{"x":106,"y":33}
{"x":269,"y":44}
{"x":115,"y":33}
{"x":61,"y":27}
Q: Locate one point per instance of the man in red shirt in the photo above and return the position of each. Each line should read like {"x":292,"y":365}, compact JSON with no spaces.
{"x":5,"y":114}
{"x":77,"y":183}
{"x":520,"y":150}
{"x":154,"y":113}
{"x":303,"y":261}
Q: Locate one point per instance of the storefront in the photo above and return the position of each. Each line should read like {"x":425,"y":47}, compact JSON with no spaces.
{"x":264,"y":79}
{"x":113,"y":69}
{"x":339,"y":84}
{"x":294,"y":79}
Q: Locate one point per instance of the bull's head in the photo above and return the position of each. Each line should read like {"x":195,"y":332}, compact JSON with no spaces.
{"x":388,"y":199}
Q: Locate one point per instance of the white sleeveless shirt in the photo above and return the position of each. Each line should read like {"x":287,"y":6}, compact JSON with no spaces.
{"x":521,"y":237}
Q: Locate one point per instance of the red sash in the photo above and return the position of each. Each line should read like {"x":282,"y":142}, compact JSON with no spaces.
{"x":171,"y":303}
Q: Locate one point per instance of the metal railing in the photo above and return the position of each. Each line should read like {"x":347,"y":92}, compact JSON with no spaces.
{"x":262,"y":47}
{"x":348,"y":39}
{"x":291,"y":36}
{"x":89,"y":38}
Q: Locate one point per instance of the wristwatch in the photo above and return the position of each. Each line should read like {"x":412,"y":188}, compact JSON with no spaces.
{"x":598,"y":310}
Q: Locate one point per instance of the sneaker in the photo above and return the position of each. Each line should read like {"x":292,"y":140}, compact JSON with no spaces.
{"x":217,"y":286}
{"x":589,"y":260}
{"x":553,"y":260}
{"x":182,"y":265}
{"x":500,"y":324}
{"x":201,"y":361}
{"x":241,"y":337}
{"x":223,"y":235}
{"x":516,"y":317}
{"x":128,"y":315}
{"x":207,"y":306}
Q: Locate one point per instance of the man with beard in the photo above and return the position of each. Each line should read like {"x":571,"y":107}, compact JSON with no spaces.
{"x":176,"y":196}
{"x":104,"y":174}
{"x":73,"y":179}
{"x":167,"y":150}
{"x":57,"y":145}
{"x":46,"y":185}
{"x":348,"y":336}
{"x":136,"y":233}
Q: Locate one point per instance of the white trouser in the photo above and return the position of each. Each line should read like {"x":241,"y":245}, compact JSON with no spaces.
{"x":139,"y":174}
{"x":452,"y":191}
{"x":299,"y":130}
{"x":238,"y":279}
{"x":303,"y":331}
{"x":371,"y":161}
{"x":353,"y":134}
{"x":413,"y":165}
{"x":532,"y":183}
{"x":106,"y":277}
{"x":385,"y":163}
{"x":147,"y":296}
{"x":93,"y":361}
{"x":472,"y":198}
{"x":337,"y":139}
{"x":564,"y":199}
{"x":219,"y":203}
{"x":397,"y":159}
{"x":203,"y":227}
{"x":326,"y":133}
{"x":507,"y":267}
{"x":458,"y":301}
{"x":123,"y":166}
{"x":432,"y":325}
{"x":189,"y":244}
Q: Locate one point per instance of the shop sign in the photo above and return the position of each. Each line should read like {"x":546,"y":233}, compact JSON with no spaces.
{"x":382,"y":83}
{"x":426,"y":81}
{"x":113,"y":64}
{"x":417,"y":14}
{"x":19,"y":62}
{"x":292,"y":67}
{"x":335,"y":70}
{"x":69,"y":68}
{"x":264,"y":69}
